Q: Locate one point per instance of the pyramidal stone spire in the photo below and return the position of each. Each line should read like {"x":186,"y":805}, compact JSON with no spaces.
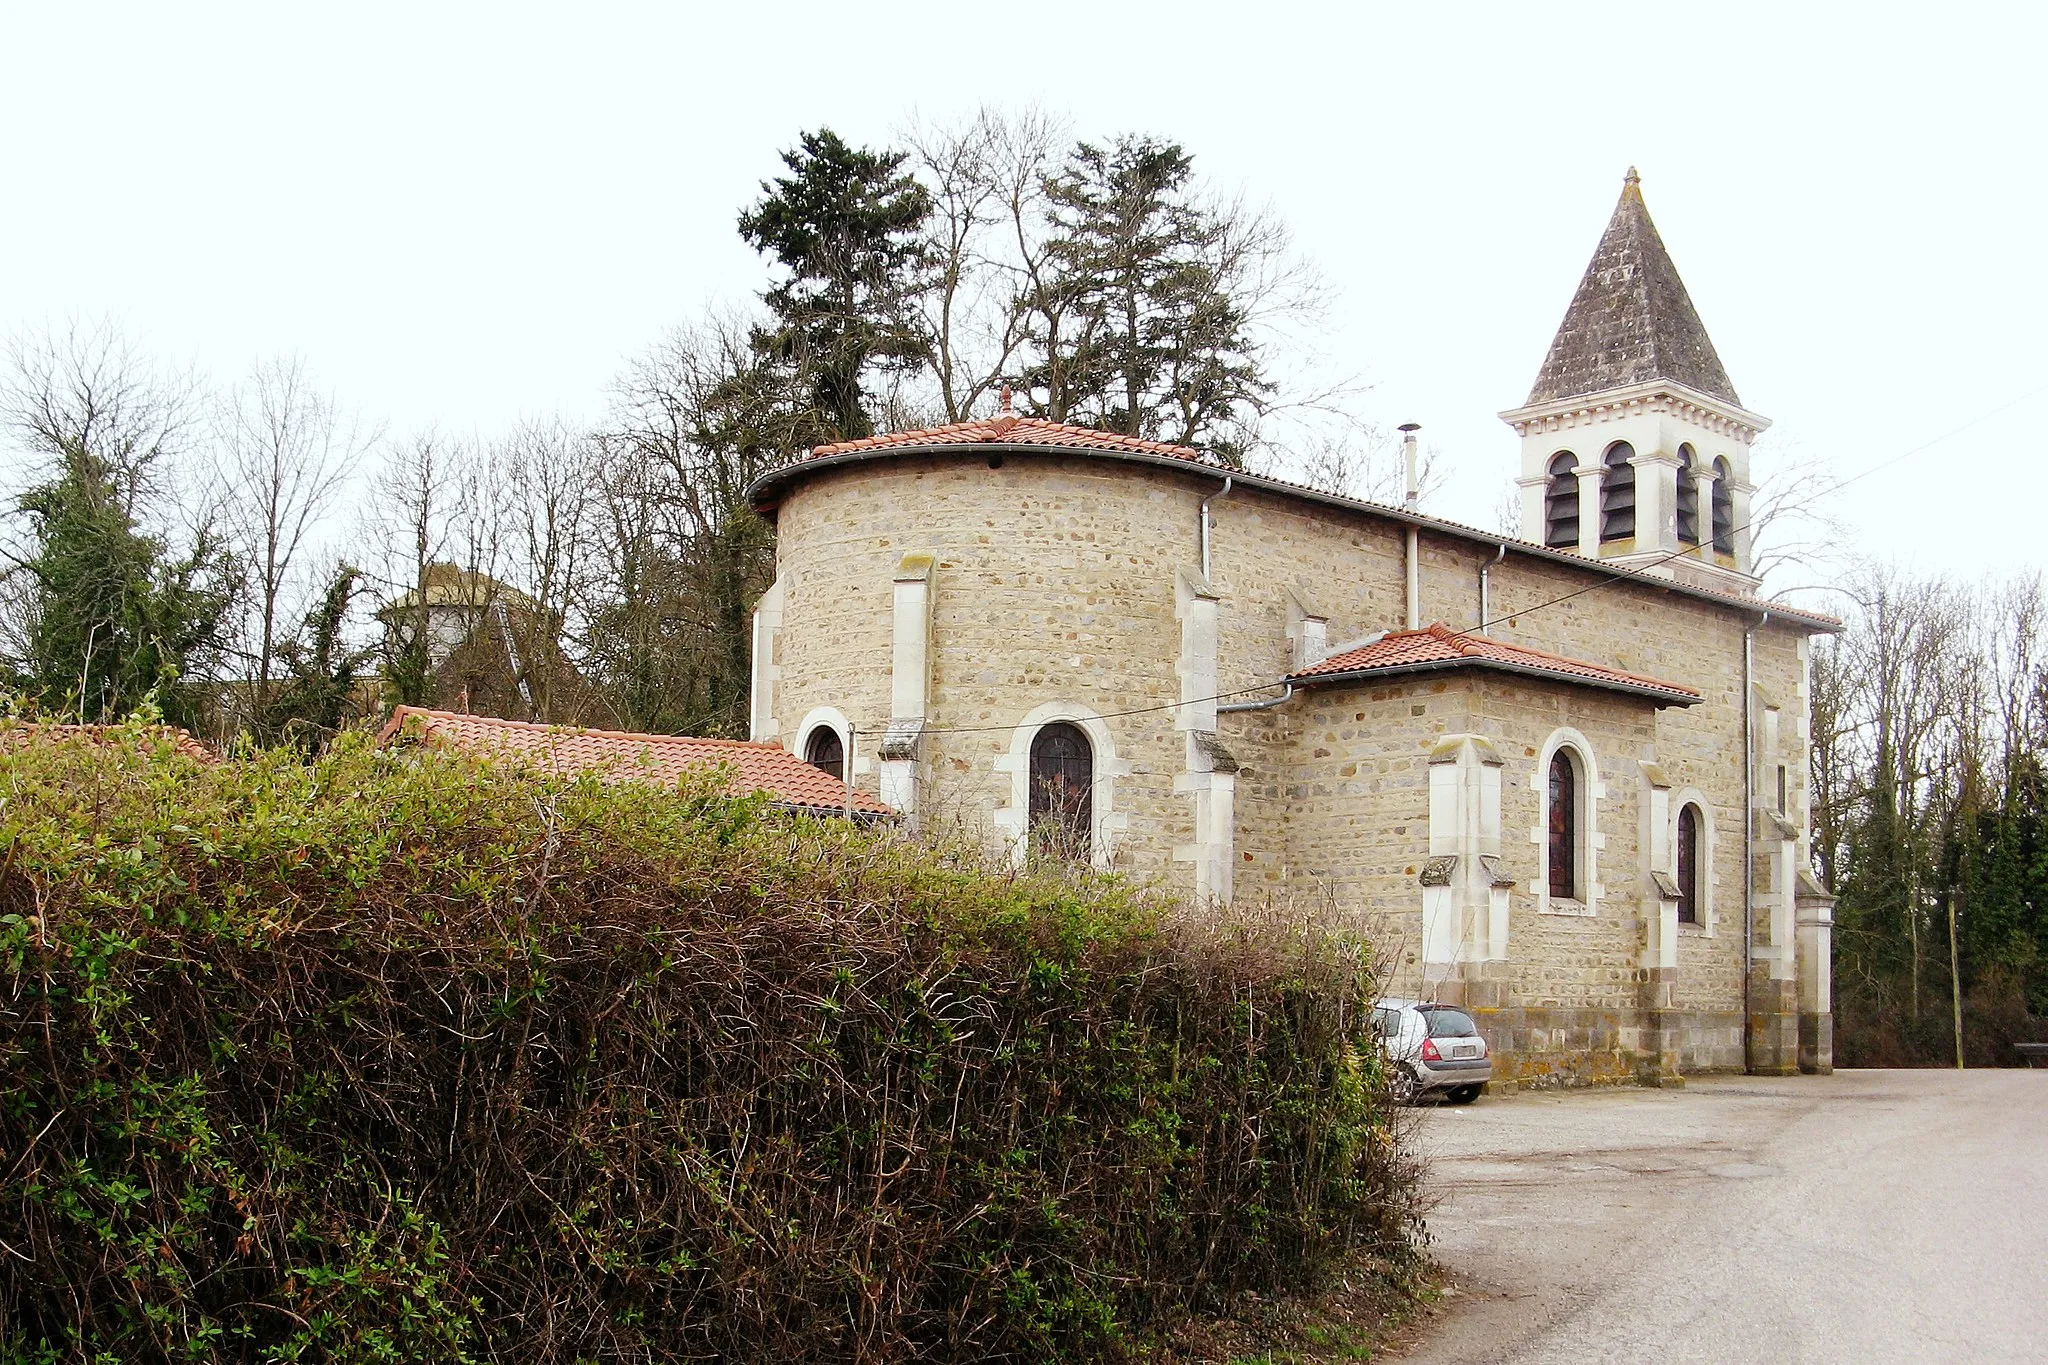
{"x":1631,"y":321}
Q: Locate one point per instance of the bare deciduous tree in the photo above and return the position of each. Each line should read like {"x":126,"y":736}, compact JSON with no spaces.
{"x":1357,"y":461}
{"x":986,"y":178}
{"x":1793,"y":517}
{"x":284,"y":452}
{"x":89,"y":389}
{"x":552,"y":475}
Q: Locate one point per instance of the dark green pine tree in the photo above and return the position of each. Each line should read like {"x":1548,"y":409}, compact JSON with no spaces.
{"x":114,"y":616}
{"x":844,"y":225}
{"x":1873,"y":911}
{"x":2007,"y":885}
{"x":1141,"y":330}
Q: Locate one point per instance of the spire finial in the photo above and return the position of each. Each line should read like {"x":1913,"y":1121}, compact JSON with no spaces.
{"x":1006,"y":398}
{"x":1632,"y":178}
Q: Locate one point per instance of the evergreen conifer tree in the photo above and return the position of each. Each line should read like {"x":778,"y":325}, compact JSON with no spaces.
{"x":114,"y":616}
{"x":845,"y":227}
{"x":1153,"y":335}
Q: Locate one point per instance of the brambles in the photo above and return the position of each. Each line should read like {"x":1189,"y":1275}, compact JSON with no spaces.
{"x":401,"y":1057}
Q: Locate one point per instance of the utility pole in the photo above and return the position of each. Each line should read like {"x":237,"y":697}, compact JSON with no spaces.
{"x":1955,"y":979}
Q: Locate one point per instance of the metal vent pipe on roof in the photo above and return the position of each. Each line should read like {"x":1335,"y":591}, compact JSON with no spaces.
{"x":1413,"y":487}
{"x":1408,"y":501}
{"x":1206,"y":523}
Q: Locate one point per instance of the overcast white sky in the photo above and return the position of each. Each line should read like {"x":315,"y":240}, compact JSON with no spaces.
{"x":469,"y":215}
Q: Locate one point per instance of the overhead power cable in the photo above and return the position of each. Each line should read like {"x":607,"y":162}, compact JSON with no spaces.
{"x":1625,"y":575}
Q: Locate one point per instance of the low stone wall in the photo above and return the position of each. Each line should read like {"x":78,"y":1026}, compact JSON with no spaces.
{"x":1548,"y":1047}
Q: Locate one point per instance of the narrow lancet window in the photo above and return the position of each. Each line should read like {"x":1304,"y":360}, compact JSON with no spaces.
{"x":1062,"y":791}
{"x":1564,"y":827}
{"x":1688,"y":864}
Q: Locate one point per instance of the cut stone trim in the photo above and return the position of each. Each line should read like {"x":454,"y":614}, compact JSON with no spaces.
{"x":1592,"y":791}
{"x":762,"y":726}
{"x":1014,"y":820}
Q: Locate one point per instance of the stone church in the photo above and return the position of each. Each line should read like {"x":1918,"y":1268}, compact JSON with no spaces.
{"x":1565,"y":773}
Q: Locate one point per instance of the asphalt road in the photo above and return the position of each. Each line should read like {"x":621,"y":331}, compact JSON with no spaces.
{"x":1867,"y":1216}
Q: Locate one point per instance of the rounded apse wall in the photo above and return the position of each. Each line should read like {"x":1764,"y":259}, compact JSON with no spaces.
{"x":1052,"y":580}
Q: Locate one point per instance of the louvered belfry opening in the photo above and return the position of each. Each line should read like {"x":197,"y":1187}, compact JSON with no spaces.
{"x":1062,"y":791}
{"x":1561,"y":503}
{"x":826,"y":752}
{"x":1688,"y":864}
{"x":1564,"y":826}
{"x":1724,"y":511}
{"x":1618,"y":493}
{"x":1688,"y":497}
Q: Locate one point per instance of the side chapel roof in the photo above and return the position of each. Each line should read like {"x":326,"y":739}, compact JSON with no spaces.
{"x":1438,"y":647}
{"x":661,"y":759}
{"x":1631,"y":321}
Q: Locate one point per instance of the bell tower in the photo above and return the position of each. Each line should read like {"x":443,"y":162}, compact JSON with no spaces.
{"x":1635,"y":449}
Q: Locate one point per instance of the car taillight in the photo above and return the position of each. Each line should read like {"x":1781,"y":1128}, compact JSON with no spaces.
{"x":1429,"y":1052}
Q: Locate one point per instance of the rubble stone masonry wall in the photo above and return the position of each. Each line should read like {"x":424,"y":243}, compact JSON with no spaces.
{"x":1054,"y":580}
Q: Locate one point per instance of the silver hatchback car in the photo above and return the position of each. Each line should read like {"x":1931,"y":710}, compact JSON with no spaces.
{"x":1433,"y":1048}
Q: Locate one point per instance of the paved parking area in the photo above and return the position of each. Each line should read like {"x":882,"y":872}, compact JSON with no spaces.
{"x":1867,"y":1216}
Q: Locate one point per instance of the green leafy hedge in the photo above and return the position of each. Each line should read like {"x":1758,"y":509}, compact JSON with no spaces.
{"x":409,"y":1058}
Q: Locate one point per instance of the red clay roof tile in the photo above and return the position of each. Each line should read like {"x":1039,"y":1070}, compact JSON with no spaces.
{"x":33,"y":733}
{"x":1439,"y":645}
{"x":662,"y":759}
{"x":1006,"y":428}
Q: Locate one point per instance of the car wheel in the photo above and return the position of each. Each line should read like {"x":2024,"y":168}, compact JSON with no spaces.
{"x":1464,"y":1094}
{"x":1402,"y":1087}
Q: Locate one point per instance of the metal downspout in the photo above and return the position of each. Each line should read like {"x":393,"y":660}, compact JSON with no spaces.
{"x":1749,"y":837}
{"x":1485,"y":595}
{"x":1287,"y":691}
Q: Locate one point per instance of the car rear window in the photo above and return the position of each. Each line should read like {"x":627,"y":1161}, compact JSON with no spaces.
{"x":1450,"y":1023}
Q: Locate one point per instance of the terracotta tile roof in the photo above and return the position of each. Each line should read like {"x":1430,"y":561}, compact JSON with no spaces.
{"x":1438,"y":646}
{"x":769,"y":487}
{"x":663,"y":759}
{"x":21,"y":736}
{"x":1007,"y":428}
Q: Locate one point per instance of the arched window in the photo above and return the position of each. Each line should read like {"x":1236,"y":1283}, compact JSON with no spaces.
{"x":1724,"y":510}
{"x":1618,"y":493}
{"x":1561,"y":502}
{"x":826,"y":752}
{"x":1689,"y":864}
{"x":1688,"y":497}
{"x":1562,"y":801}
{"x":1062,"y":808}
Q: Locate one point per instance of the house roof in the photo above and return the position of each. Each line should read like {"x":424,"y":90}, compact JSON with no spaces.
{"x":663,"y":759}
{"x":1438,"y":647}
{"x":1631,"y":321}
{"x":1007,"y":428}
{"x":22,"y":736}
